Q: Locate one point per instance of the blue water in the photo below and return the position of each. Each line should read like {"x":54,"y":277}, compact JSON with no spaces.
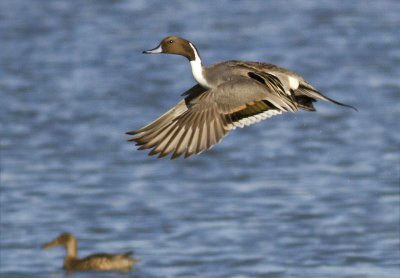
{"x":299,"y":195}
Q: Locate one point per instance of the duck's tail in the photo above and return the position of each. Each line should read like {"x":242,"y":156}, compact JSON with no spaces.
{"x":306,"y":95}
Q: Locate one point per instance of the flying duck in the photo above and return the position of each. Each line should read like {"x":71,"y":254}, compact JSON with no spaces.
{"x":227,"y":95}
{"x":96,"y":262}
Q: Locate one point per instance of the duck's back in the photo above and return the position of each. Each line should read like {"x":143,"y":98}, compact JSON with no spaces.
{"x":245,"y":66}
{"x":102,"y":262}
{"x":225,"y":71}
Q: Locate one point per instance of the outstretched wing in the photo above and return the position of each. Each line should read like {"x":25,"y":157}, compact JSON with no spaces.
{"x":204,"y":117}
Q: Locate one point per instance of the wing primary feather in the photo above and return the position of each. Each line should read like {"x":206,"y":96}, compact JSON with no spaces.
{"x":192,"y":141}
{"x":165,"y":118}
{"x":182,"y":143}
{"x":163,"y":143}
{"x":144,"y":137}
{"x":171,"y":145}
{"x":155,"y":139}
{"x":200,"y":141}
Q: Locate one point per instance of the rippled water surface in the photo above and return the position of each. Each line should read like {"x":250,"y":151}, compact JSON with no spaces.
{"x":299,"y":195}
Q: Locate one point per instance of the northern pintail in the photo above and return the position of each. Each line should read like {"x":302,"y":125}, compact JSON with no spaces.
{"x":96,"y":262}
{"x":229,"y":94}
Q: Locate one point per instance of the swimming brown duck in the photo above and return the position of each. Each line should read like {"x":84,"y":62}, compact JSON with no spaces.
{"x":96,"y":262}
{"x":227,"y":95}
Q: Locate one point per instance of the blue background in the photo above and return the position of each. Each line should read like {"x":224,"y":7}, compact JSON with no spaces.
{"x":299,"y":195}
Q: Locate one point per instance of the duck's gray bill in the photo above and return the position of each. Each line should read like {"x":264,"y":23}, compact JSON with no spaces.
{"x":156,"y":50}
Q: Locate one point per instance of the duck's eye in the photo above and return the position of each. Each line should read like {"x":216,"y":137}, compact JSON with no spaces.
{"x":171,"y":41}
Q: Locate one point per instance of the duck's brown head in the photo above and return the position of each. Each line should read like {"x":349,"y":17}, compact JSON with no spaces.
{"x":63,"y":239}
{"x":175,"y":45}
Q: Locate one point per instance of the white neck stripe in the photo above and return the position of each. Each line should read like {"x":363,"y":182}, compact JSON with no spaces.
{"x":197,"y":69}
{"x":196,"y":55}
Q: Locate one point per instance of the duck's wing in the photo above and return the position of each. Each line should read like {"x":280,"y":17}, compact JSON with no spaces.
{"x":287,"y":82}
{"x":172,"y":113}
{"x":203,"y":118}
